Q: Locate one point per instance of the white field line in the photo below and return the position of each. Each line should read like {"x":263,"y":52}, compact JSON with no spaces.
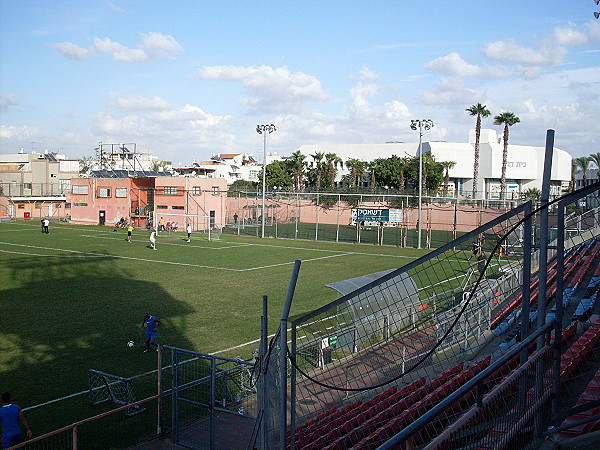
{"x":227,"y":246}
{"x":96,"y":255}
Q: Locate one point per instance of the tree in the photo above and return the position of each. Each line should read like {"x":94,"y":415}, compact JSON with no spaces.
{"x":532,"y":194}
{"x":318,"y":157}
{"x":297,"y":162}
{"x":583,"y":163}
{"x":572,"y":183}
{"x":507,"y":119}
{"x":447,"y":165}
{"x":480,"y":111}
{"x":278,"y":174}
{"x":595,"y":158}
{"x":357,"y":170}
{"x":331,"y":161}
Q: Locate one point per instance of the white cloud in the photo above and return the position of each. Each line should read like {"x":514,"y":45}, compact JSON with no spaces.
{"x":154,"y":45}
{"x":453,"y":64}
{"x":139,"y":103}
{"x":8,"y":99}
{"x":269,"y":89}
{"x":512,"y":51}
{"x":160,"y":45}
{"x":449,"y":91}
{"x":115,"y":8}
{"x":22,"y":133}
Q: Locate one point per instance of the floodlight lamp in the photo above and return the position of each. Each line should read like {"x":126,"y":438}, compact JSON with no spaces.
{"x":597,"y":2}
{"x":258,"y":129}
{"x":597,"y":15}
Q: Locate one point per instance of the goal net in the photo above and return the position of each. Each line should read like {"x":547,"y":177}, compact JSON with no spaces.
{"x":174,"y":224}
{"x":104,"y":387}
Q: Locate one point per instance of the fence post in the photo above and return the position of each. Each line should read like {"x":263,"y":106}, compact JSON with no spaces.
{"x":283,"y":354}
{"x":317,"y":218}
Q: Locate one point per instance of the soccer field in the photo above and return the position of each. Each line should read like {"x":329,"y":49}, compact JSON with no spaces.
{"x":71,"y":299}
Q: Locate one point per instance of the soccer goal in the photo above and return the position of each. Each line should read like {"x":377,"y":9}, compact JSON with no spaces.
{"x":104,"y":387}
{"x":173,"y":224}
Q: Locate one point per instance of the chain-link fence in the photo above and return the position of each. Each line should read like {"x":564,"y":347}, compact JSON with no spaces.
{"x":452,"y":331}
{"x":331,"y":217}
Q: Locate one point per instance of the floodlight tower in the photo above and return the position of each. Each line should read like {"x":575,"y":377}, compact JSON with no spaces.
{"x":264,"y":130}
{"x":419,"y":124}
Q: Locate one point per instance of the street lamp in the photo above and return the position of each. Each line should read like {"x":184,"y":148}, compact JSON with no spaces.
{"x":415,"y":125}
{"x":264,"y":130}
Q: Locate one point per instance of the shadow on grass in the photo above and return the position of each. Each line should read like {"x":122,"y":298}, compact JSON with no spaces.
{"x":61,"y":316}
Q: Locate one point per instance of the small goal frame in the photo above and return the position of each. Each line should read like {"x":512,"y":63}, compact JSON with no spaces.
{"x":201,"y":223}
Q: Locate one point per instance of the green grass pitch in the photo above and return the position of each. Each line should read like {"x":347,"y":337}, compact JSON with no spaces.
{"x":73,"y":298}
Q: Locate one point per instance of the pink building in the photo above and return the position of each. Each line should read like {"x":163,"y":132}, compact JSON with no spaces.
{"x":107,"y":200}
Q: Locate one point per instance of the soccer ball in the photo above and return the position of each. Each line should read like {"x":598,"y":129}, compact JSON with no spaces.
{"x":130,"y":344}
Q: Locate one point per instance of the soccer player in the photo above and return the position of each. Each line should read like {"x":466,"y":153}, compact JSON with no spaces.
{"x":188,"y":228}
{"x":153,"y":239}
{"x":10,"y":415}
{"x":129,"y":231}
{"x":151,"y":323}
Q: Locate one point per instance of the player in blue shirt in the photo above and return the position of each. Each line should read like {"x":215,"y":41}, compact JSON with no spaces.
{"x":10,"y":415}
{"x":151,"y":323}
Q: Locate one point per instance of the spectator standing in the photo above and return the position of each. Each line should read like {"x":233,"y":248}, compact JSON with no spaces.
{"x":10,"y":416}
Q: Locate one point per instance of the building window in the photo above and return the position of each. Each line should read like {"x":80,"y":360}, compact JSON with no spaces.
{"x":67,"y":206}
{"x":177,"y":207}
{"x":80,"y":189}
{"x":215,"y":190}
{"x":38,"y":206}
{"x":80,"y":204}
{"x":170,"y":190}
{"x":27,"y":186}
{"x":253,"y":173}
{"x":57,"y":206}
{"x":65,"y":185}
{"x":161,"y":207}
{"x":21,"y":206}
{"x":197,"y":190}
{"x":104,"y":192}
{"x":121,"y":192}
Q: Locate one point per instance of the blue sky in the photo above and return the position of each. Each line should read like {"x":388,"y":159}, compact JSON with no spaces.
{"x":186,"y":79}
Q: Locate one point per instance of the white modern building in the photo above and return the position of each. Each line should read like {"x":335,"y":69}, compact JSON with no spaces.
{"x":524,"y":169}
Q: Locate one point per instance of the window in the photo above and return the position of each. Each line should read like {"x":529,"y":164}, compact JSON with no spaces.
{"x":80,"y":204}
{"x":121,"y":192}
{"x":21,"y":206}
{"x":215,"y":190}
{"x":80,"y":189}
{"x":67,"y":206}
{"x":170,"y":190}
{"x":27,"y":185}
{"x":161,"y":207}
{"x":177,"y":207}
{"x":65,"y":185}
{"x":104,"y":192}
{"x":38,"y":206}
{"x":253,"y":174}
{"x":197,"y":190}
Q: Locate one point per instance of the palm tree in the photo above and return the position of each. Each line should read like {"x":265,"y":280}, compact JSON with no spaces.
{"x":318,"y":157}
{"x":447,"y":165}
{"x":583,"y":163}
{"x":332,"y":160}
{"x":297,"y":159}
{"x":572,"y":183}
{"x":480,"y":111}
{"x":595,"y":158}
{"x":373,"y":167}
{"x":507,"y":119}
{"x":356,"y":170}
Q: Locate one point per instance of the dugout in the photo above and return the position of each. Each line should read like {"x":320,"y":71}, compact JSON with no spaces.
{"x":383,"y":305}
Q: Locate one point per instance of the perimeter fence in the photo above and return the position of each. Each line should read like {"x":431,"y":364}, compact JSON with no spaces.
{"x":329,"y":217}
{"x":194,"y":400}
{"x":467,"y":325}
